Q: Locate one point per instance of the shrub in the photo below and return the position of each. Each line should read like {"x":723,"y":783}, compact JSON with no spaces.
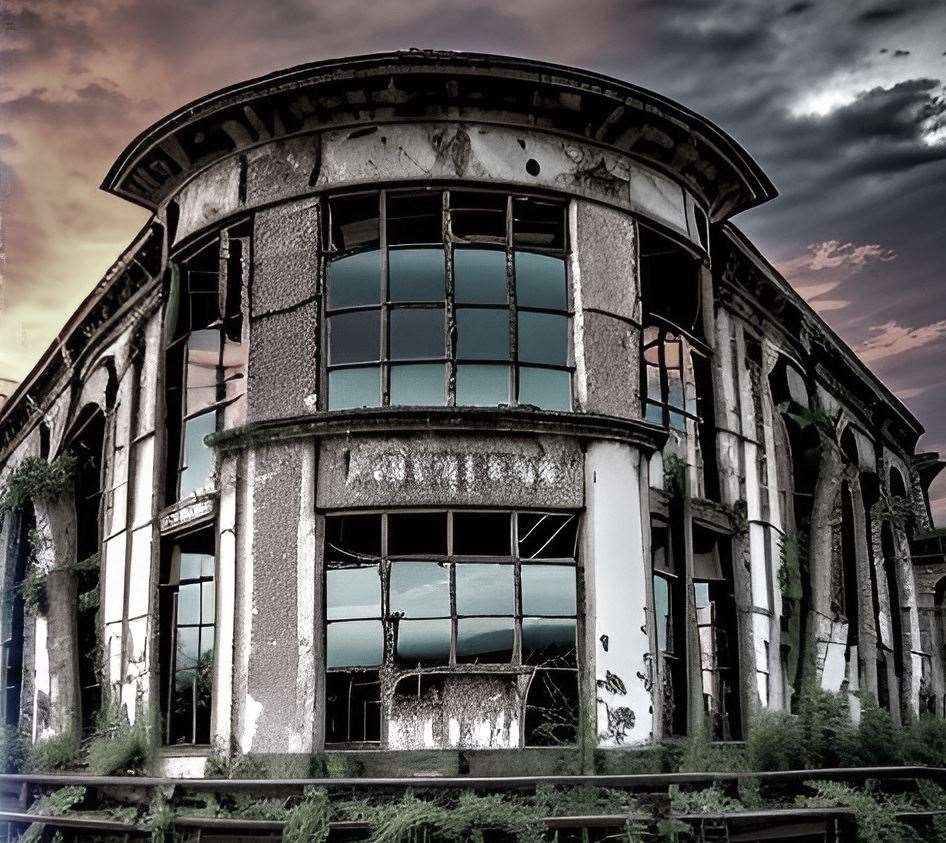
{"x":55,"y":804}
{"x":926,"y":742}
{"x":774,"y":742}
{"x":222,"y":764}
{"x":701,"y":755}
{"x":12,"y":749}
{"x":36,"y":479}
{"x":118,"y":747}
{"x":53,"y":754}
{"x":880,"y":742}
{"x":828,"y":737}
{"x":307,"y":822}
{"x":876,"y":819}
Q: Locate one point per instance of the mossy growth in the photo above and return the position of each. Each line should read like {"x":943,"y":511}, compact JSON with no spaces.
{"x":36,"y":479}
{"x":54,"y":804}
{"x":54,"y":754}
{"x":874,"y":816}
{"x":231,"y":763}
{"x":13,"y":748}
{"x":119,"y":747}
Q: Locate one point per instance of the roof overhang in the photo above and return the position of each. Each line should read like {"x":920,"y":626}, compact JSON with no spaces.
{"x":426,"y":85}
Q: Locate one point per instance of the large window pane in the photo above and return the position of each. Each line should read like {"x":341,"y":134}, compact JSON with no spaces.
{"x":547,"y":535}
{"x":349,"y":388}
{"x":188,"y":603}
{"x":411,"y":533}
{"x":481,"y":533}
{"x":348,"y":537}
{"x":485,"y":589}
{"x":416,"y":275}
{"x":198,"y":458}
{"x":354,"y":337}
{"x":478,"y":217}
{"x":662,"y":613}
{"x":188,"y":641}
{"x":540,"y":281}
{"x":353,"y":644}
{"x":420,"y":589}
{"x":482,"y":334}
{"x":486,"y":640}
{"x":355,"y":222}
{"x":423,"y":642}
{"x":354,"y":280}
{"x":417,"y":333}
{"x":203,"y":370}
{"x":418,"y":385}
{"x":353,"y":593}
{"x":550,"y":389}
{"x":543,"y":338}
{"x":415,"y":218}
{"x":548,"y":590}
{"x":482,"y":385}
{"x":538,"y":222}
{"x":479,"y":276}
{"x":547,"y":640}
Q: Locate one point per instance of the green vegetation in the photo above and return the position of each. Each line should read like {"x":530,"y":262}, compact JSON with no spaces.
{"x":54,"y":754}
{"x":12,"y":749}
{"x":55,"y":804}
{"x":35,"y":479}
{"x":874,"y":816}
{"x":119,"y":747}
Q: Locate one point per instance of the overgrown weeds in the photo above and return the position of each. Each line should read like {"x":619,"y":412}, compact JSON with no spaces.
{"x":118,"y":746}
{"x":54,"y":754}
{"x":36,"y":479}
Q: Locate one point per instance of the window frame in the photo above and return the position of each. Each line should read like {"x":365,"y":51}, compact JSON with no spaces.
{"x":448,"y":304}
{"x":516,"y":665}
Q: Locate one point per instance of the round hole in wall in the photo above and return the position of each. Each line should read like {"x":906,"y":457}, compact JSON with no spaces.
{"x":532,"y":167}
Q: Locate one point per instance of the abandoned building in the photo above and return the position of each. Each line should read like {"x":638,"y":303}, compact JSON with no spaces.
{"x":439,"y":406}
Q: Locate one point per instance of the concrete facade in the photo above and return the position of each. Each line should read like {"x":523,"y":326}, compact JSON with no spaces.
{"x":745,"y":496}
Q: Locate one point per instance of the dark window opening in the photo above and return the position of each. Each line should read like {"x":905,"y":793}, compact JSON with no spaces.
{"x":670,"y":282}
{"x":846,"y":596}
{"x":14,"y":615}
{"x":402,"y":270}
{"x":551,"y":709}
{"x":670,"y":616}
{"x":717,"y":634}
{"x":891,"y":564}
{"x":188,"y":622}
{"x":427,"y":591}
{"x":204,"y":356}
{"x":87,"y":444}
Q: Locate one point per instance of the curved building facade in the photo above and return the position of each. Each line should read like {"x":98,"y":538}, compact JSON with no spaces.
{"x":439,"y":411}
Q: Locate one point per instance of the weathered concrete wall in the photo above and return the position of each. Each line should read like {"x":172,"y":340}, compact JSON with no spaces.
{"x":616,"y":638}
{"x":450,"y":469}
{"x":293,"y":167}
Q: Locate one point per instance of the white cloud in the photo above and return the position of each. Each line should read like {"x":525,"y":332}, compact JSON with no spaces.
{"x":833,"y":254}
{"x":891,"y":339}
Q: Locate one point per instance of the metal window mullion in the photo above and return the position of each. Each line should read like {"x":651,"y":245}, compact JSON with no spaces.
{"x":512,"y":305}
{"x":384,"y":286}
{"x":450,"y":303}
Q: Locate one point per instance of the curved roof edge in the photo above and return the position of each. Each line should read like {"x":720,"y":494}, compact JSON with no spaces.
{"x":362,"y":90}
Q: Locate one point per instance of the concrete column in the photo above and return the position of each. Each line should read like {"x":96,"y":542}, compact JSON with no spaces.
{"x":616,"y":575}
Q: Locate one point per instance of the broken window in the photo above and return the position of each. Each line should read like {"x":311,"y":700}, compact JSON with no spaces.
{"x":466,"y":306}
{"x":87,"y":444}
{"x":438,"y":592}
{"x":716,"y":630}
{"x":14,"y":615}
{"x":188,"y":618}
{"x":676,"y":383}
{"x":670,"y":617}
{"x":205,"y":355}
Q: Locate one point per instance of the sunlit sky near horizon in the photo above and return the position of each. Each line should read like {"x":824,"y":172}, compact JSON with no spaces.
{"x":843,"y":105}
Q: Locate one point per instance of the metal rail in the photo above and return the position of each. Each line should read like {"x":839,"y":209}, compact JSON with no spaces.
{"x":652,"y":782}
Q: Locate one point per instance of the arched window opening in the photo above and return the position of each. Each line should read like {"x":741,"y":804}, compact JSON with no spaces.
{"x":676,"y":382}
{"x":14,"y":616}
{"x":891,"y":564}
{"x":204,"y":357}
{"x":717,"y":633}
{"x":86,"y":443}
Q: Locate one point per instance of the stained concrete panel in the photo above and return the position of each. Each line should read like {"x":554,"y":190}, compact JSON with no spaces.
{"x":282,"y":169}
{"x":606,"y":257}
{"x":455,"y":470}
{"x":285,"y":256}
{"x":283,"y":368}
{"x":272,"y":670}
{"x":612,"y":366}
{"x":214,"y":194}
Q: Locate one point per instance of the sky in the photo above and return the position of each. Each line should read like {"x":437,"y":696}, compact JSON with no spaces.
{"x":843,"y":104}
